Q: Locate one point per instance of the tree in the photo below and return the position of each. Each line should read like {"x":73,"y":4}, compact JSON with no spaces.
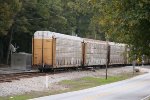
{"x":127,"y":21}
{"x":8,"y":10}
{"x":63,"y":16}
{"x":37,"y":15}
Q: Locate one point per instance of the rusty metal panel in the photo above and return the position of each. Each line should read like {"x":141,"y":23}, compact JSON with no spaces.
{"x":54,"y":52}
{"x":84,"y":45}
{"x":47,"y":51}
{"x":37,"y":53}
{"x":32,"y":51}
{"x":42,"y":48}
{"x":95,"y":52}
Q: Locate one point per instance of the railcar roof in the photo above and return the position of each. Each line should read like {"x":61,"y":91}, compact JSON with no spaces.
{"x":48,"y":34}
{"x":94,"y":41}
{"x":118,"y":44}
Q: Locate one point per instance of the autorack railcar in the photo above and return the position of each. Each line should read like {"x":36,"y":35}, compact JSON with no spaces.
{"x":55,"y":50}
{"x":118,"y":53}
{"x":95,"y":52}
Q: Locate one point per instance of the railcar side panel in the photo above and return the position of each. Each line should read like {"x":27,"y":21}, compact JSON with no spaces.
{"x":68,"y":53}
{"x":117,"y":53}
{"x":42,"y":49}
{"x":47,"y":52}
{"x":55,"y":50}
{"x":96,"y":52}
{"x":84,"y":50}
{"x":37,"y":53}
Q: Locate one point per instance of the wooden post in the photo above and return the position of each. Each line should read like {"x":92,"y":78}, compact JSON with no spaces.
{"x":107,"y":58}
{"x":46,"y":80}
{"x":107,"y":61}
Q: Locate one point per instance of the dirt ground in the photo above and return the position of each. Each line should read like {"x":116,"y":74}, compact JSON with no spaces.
{"x":50,"y":82}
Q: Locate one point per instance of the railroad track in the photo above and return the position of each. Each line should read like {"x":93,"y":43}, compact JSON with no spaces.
{"x":18,"y":76}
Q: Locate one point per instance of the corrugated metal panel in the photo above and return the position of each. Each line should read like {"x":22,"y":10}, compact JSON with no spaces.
{"x":37,"y":53}
{"x":117,"y":53}
{"x":50,"y":35}
{"x":68,"y":53}
{"x":95,"y":52}
{"x":64,"y":36}
{"x":42,"y":48}
{"x":47,"y":51}
{"x":43,"y":34}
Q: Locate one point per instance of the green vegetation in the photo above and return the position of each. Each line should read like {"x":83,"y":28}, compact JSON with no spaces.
{"x":126,"y":21}
{"x":121,"y":21}
{"x":71,"y":85}
{"x":8,"y":13}
{"x":87,"y":82}
{"x":18,"y":25}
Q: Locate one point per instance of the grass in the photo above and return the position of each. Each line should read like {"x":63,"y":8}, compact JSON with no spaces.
{"x":71,"y":85}
{"x":30,"y":95}
{"x":87,"y":82}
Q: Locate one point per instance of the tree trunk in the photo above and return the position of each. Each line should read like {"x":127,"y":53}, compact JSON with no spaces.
{"x":77,"y":25}
{"x":10,"y":33}
{"x":1,"y":50}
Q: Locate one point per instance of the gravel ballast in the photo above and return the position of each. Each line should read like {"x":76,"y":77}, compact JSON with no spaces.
{"x":22,"y":86}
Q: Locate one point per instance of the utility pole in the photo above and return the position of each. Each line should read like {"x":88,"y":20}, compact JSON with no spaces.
{"x":134,"y":63}
{"x":107,"y":56}
{"x":106,"y":60}
{"x":143,"y":60}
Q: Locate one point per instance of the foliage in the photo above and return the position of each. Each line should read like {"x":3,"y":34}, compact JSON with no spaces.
{"x":118,"y":20}
{"x":8,"y":9}
{"x":67,"y":17}
{"x":126,"y":21}
{"x":19,"y":20}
